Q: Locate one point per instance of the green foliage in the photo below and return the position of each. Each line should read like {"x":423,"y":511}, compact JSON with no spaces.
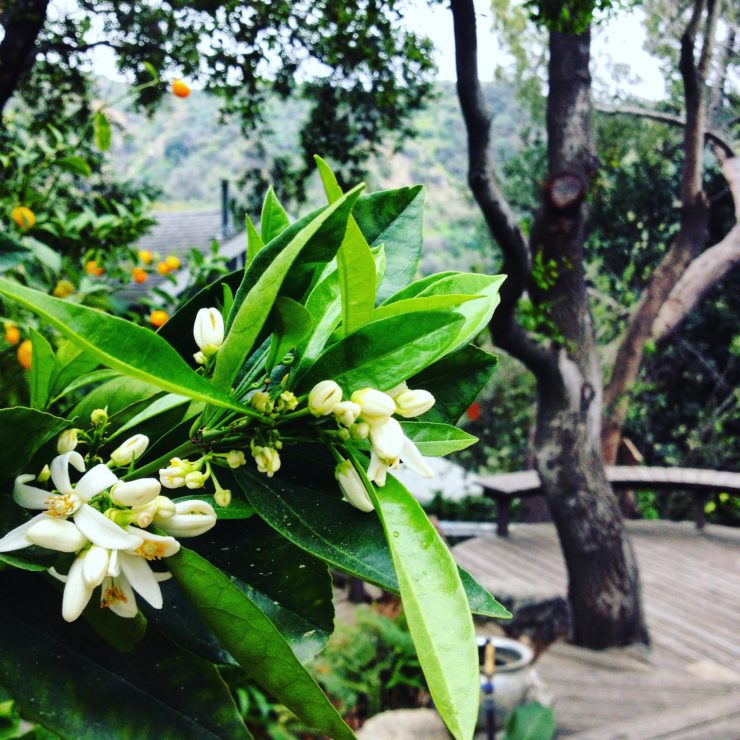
{"x":371,"y":665}
{"x":530,"y":722}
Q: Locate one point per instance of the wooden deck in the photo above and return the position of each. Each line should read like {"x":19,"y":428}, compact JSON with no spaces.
{"x":688,"y":684}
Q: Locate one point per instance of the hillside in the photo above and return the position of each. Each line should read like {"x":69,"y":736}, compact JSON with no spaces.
{"x":185,"y":149}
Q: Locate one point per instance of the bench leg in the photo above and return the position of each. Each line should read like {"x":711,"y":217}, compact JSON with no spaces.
{"x":699,"y":516}
{"x":503,"y":511}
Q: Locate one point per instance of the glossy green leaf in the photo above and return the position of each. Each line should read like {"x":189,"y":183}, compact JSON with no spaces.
{"x":426,"y":303}
{"x":255,"y":642}
{"x":292,"y":588}
{"x":73,"y":362}
{"x":355,"y":263}
{"x":43,"y":369}
{"x":115,"y":395}
{"x":12,"y":252}
{"x":44,"y":254}
{"x":393,"y":218}
{"x":434,"y":439}
{"x":339,"y":534}
{"x":255,"y":307}
{"x":81,"y":688}
{"x":274,"y":219}
{"x":155,"y":408}
{"x":102,"y":131}
{"x":455,"y":382}
{"x":530,"y":722}
{"x":254,"y":240}
{"x":24,"y":432}
{"x":290,"y":323}
{"x":435,"y":606}
{"x":76,"y":165}
{"x":81,"y":381}
{"x":384,"y":353}
{"x":120,"y":345}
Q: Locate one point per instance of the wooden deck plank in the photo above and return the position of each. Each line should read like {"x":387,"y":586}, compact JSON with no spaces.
{"x":691,"y":594}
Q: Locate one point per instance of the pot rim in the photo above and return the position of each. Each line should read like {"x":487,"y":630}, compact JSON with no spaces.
{"x":524,"y":652}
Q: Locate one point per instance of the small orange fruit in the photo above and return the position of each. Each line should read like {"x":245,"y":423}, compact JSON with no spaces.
{"x":139,"y":275}
{"x":163,"y":268}
{"x":25,"y":349}
{"x":93,"y":268}
{"x":24,"y":217}
{"x":180,"y":89}
{"x":158,"y":318}
{"x":145,"y":256}
{"x":173,"y":262}
{"x":12,"y":334}
{"x":63,"y":288}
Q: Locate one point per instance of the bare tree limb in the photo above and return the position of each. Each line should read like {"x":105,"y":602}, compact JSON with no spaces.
{"x":703,"y":272}
{"x":715,"y":137}
{"x":507,"y":333}
{"x":22,"y":21}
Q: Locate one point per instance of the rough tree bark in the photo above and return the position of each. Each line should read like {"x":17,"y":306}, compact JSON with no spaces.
{"x":691,"y":236}
{"x":22,"y":21}
{"x":604,"y":589}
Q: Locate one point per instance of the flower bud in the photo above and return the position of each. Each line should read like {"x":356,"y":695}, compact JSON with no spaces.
{"x":191,"y":518}
{"x":208,"y":330}
{"x":67,"y":441}
{"x":44,"y":475}
{"x":132,"y":449}
{"x":352,"y":486}
{"x":144,"y":515}
{"x":174,"y":475}
{"x":397,"y":390}
{"x":376,"y":406}
{"x":360,"y":430}
{"x":235,"y":458}
{"x":324,"y":397}
{"x":261,"y":401}
{"x":200,"y":358}
{"x":99,"y":417}
{"x":267,"y":459}
{"x":135,"y":492}
{"x":387,"y":440}
{"x":196,"y":479}
{"x":165,"y":507}
{"x":347,"y":412}
{"x":222,"y":497}
{"x":413,"y":403}
{"x":287,"y":401}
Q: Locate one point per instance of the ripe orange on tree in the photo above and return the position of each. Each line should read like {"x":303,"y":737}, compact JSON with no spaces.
{"x":158,"y":318}
{"x":24,"y":217}
{"x":25,"y":350}
{"x":139,"y":275}
{"x":180,"y":89}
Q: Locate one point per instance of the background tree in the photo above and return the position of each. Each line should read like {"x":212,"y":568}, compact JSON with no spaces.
{"x":549,"y":268}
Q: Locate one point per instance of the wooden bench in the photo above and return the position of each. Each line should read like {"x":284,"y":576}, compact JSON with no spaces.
{"x":506,"y":487}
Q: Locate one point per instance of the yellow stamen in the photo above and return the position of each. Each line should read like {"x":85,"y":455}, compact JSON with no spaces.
{"x":151,"y":550}
{"x":62,"y":505}
{"x":111,"y":596}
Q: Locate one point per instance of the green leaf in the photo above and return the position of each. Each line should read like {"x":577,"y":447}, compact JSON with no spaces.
{"x":12,"y":252}
{"x":435,"y":439}
{"x":435,"y":606}
{"x":427,"y":303}
{"x":120,"y":345}
{"x":24,"y":432}
{"x":257,"y":304}
{"x":87,"y":379}
{"x":455,"y":382}
{"x":339,"y":534}
{"x":149,"y":67}
{"x":274,"y":219}
{"x":254,"y":240}
{"x":394,"y":218}
{"x":102,"y":131}
{"x":385,"y":352}
{"x":43,"y":368}
{"x":290,"y":323}
{"x":356,"y":265}
{"x":255,"y":642}
{"x":530,"y":722}
{"x":73,"y":362}
{"x":76,"y":165}
{"x":115,"y":395}
{"x":44,"y":254}
{"x":67,"y":679}
{"x":155,"y":408}
{"x":292,"y":588}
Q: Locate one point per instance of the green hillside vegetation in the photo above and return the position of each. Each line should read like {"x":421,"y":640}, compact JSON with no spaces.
{"x":187,"y":147}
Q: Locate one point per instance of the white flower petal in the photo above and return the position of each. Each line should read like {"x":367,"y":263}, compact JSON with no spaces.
{"x":411,"y":456}
{"x":95,"y":565}
{"x":377,"y":470}
{"x":102,"y":531}
{"x":76,"y":592}
{"x":60,"y":470}
{"x":162,"y":575}
{"x":95,"y":481}
{"x":29,"y":497}
{"x":164,"y":546}
{"x":114,"y":566}
{"x":135,"y":492}
{"x":192,"y":518}
{"x":387,"y":439}
{"x":56,"y":534}
{"x":119,"y":597}
{"x":141,"y":578}
{"x":54,"y":573}
{"x":16,"y":538}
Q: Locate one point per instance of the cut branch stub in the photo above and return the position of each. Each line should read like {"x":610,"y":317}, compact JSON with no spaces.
{"x":565,"y":191}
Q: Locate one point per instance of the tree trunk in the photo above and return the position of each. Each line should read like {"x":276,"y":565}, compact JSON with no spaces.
{"x":603,"y":589}
{"x":22,"y":21}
